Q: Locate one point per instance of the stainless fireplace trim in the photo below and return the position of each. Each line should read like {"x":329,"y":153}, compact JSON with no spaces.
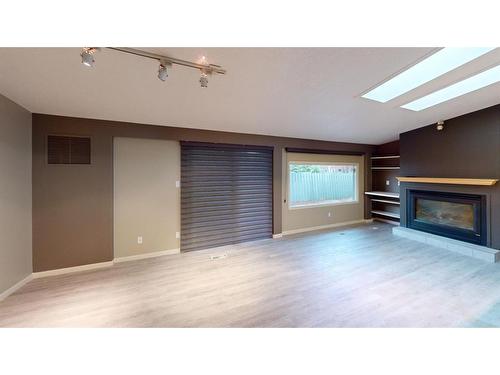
{"x":477,"y":236}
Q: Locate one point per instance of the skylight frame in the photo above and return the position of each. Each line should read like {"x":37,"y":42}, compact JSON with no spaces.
{"x":431,"y":67}
{"x":478,"y":81}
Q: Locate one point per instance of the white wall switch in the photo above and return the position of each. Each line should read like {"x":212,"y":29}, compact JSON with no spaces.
{"x":177,"y":235}
{"x":177,"y":184}
{"x":329,"y":214}
{"x":139,"y":240}
{"x":387,"y":182}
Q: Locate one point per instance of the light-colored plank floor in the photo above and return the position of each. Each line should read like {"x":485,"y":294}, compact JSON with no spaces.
{"x":360,"y":276}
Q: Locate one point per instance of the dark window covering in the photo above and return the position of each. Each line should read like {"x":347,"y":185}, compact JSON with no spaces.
{"x":226,"y":194}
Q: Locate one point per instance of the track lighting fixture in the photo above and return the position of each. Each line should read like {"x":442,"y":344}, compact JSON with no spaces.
{"x":440,"y":125}
{"x":88,"y":56}
{"x":166,"y":62}
{"x":162,"y":72}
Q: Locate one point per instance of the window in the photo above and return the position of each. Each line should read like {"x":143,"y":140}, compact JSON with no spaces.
{"x":322,"y":184}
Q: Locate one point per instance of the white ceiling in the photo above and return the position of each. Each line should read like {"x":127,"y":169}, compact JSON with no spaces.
{"x":309,"y":93}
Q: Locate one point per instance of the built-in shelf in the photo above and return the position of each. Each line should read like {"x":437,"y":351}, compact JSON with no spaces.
{"x":383,"y":194}
{"x":450,"y":181}
{"x":383,"y":204}
{"x":386,"y":213}
{"x":385,"y":201}
{"x":385,"y":157}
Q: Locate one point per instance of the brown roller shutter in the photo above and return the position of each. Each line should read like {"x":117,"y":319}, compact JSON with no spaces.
{"x":226,"y":194}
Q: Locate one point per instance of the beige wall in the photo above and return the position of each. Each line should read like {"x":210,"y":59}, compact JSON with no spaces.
{"x":146,"y":199}
{"x":15,"y":193}
{"x":301,"y":218}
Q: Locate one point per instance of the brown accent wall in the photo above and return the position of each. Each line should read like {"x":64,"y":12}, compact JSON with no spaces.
{"x":379,"y":177}
{"x":387,"y":149}
{"x":468,"y":147}
{"x":73,"y":204}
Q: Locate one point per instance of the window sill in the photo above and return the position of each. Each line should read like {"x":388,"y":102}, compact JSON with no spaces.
{"x":322,"y":205}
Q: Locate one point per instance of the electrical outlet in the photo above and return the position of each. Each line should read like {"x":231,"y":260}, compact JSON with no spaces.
{"x":329,"y":214}
{"x":398,"y":183}
{"x":177,"y":184}
{"x":139,"y":240}
{"x":177,"y":235}
{"x":387,"y":182}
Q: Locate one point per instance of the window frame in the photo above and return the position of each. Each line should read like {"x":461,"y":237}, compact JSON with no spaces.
{"x":316,"y":205}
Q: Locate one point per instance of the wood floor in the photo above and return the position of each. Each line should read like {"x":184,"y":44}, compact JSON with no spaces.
{"x":359,"y":276}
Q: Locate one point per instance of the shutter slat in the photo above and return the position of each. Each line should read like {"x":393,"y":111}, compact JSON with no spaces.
{"x":194,"y":217}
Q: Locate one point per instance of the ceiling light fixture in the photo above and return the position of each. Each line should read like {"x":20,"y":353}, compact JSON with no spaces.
{"x":439,"y":63}
{"x":476,"y":82}
{"x":204,"y":73}
{"x":204,"y":79}
{"x":166,"y":62}
{"x":162,"y":71}
{"x":87,"y":56}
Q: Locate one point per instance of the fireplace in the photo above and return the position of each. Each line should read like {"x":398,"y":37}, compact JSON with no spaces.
{"x":453,"y":215}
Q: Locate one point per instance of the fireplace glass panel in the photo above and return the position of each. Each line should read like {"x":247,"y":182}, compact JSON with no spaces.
{"x":458,"y":215}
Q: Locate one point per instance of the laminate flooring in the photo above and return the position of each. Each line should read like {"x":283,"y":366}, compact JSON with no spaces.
{"x":357,"y":276}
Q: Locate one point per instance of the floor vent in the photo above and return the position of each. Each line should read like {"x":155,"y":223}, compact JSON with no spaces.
{"x":218,"y":256}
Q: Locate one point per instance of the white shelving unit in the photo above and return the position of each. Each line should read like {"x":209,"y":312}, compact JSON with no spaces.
{"x":384,"y":168}
{"x":384,"y":205}
{"x":385,"y":201}
{"x":386,"y":213}
{"x":385,"y":157}
{"x":383,"y":194}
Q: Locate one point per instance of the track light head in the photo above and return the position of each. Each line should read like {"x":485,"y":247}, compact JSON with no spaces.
{"x":88,"y":56}
{"x":440,"y":125}
{"x":162,"y":72}
{"x":204,"y":79}
{"x":88,"y":59}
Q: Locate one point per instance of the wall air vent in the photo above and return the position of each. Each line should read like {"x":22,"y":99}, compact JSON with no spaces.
{"x":68,"y":150}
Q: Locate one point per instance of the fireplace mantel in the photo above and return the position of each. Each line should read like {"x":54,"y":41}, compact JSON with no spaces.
{"x":450,"y":181}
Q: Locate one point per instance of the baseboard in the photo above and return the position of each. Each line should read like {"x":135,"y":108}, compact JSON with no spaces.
{"x":15,"y":287}
{"x":62,"y":271}
{"x":86,"y":267}
{"x":147,"y":255}
{"x":278,"y":235}
{"x":328,"y":226}
{"x":93,"y":266}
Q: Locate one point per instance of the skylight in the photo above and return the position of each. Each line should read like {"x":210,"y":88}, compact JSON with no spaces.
{"x":486,"y":78}
{"x":432,"y":67}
